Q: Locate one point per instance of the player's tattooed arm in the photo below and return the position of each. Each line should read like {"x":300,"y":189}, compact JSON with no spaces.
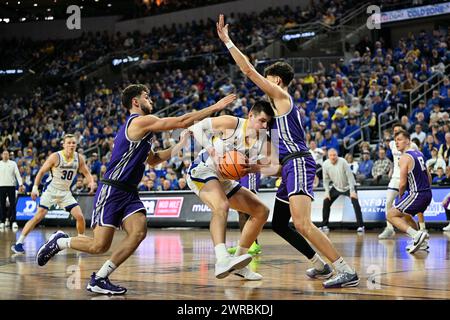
{"x":140,"y":126}
{"x":154,"y":158}
{"x":47,"y":166}
{"x":87,"y":174}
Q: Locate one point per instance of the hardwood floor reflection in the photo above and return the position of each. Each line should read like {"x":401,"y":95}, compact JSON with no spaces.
{"x":179,"y":264}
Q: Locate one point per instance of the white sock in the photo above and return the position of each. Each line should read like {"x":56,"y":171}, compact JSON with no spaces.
{"x":221,"y":251}
{"x":317,"y":262}
{"x":389,"y":225}
{"x":422,"y":225}
{"x":21,"y":239}
{"x":106,"y":270}
{"x":63,"y":243}
{"x":342,"y":266}
{"x":411,"y":232}
{"x":240,"y":251}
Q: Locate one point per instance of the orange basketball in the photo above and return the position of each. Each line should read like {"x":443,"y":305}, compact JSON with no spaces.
{"x":232,"y":165}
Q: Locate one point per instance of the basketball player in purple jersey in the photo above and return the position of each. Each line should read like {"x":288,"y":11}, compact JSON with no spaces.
{"x":298,"y":168}
{"x":414,"y":191}
{"x":117,"y":202}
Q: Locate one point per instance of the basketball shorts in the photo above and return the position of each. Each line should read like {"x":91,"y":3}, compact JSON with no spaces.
{"x":297,"y":177}
{"x":414,"y":202}
{"x":112,"y":206}
{"x":251,"y":181}
{"x":199,"y":174}
{"x":52,"y":196}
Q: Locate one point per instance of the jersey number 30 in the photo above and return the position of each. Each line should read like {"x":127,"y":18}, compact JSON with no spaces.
{"x":67,"y":175}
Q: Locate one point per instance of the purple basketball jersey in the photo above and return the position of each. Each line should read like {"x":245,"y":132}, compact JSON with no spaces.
{"x":288,"y":137}
{"x":418,"y":177}
{"x":418,"y":194}
{"x":112,"y":205}
{"x":128,"y":157}
{"x":289,"y":133}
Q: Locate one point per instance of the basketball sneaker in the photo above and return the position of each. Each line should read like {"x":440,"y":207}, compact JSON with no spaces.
{"x":420,"y":237}
{"x":253,"y":250}
{"x":388,"y":233}
{"x":17,"y":248}
{"x":324,"y":229}
{"x":104,"y":286}
{"x":248,"y":274}
{"x":447,"y":228}
{"x":342,"y":280}
{"x":326,"y":273}
{"x":15,"y":227}
{"x":361,"y":229}
{"x":424,"y":246}
{"x":50,"y":248}
{"x":7,"y":223}
{"x":229,"y":264}
{"x":2,"y":226}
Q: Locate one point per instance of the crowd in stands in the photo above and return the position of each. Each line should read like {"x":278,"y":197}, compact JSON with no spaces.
{"x":341,"y":106}
{"x":64,"y":58}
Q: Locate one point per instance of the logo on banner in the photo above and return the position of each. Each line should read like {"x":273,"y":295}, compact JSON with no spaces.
{"x":163,"y":207}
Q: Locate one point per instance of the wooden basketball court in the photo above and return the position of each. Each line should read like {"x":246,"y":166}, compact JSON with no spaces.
{"x":179,"y":264}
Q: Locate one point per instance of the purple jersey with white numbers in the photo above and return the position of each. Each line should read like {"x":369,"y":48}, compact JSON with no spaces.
{"x":128,"y":157}
{"x":418,"y":177}
{"x":289,"y":133}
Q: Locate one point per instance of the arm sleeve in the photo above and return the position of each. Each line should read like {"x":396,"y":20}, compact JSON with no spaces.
{"x":200,"y":130}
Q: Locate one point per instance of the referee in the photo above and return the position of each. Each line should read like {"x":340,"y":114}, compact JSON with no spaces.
{"x":9,"y":172}
{"x":337,"y":171}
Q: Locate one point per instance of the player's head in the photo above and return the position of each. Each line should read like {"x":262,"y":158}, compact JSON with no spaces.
{"x":5,"y":155}
{"x":333,"y":155}
{"x":398,"y":127}
{"x":69,"y":143}
{"x":136,"y":97}
{"x":402,"y":140}
{"x":280,"y":73}
{"x":260,"y":115}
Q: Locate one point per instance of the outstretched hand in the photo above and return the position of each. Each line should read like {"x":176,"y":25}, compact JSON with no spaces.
{"x":222,"y":103}
{"x":222,"y":29}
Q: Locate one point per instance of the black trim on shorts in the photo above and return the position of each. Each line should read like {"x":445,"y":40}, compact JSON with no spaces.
{"x":232,"y":192}
{"x":300,"y":193}
{"x":68,"y":208}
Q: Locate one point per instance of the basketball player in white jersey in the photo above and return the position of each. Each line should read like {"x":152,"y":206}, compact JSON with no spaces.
{"x":220,"y":194}
{"x":63,"y":166}
{"x":394,"y":184}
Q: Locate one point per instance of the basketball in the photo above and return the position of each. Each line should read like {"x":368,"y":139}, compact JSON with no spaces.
{"x":232,"y":165}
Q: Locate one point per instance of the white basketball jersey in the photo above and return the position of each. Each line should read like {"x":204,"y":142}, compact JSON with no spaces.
{"x":396,"y":155}
{"x":63,"y":174}
{"x":238,"y":142}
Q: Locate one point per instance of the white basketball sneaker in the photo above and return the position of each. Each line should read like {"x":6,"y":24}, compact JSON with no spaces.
{"x":230,"y":264}
{"x":248,"y":274}
{"x":447,"y":228}
{"x":388,"y":233}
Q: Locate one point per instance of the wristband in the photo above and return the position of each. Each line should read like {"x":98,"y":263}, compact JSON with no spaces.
{"x":229,"y":44}
{"x":35,"y":189}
